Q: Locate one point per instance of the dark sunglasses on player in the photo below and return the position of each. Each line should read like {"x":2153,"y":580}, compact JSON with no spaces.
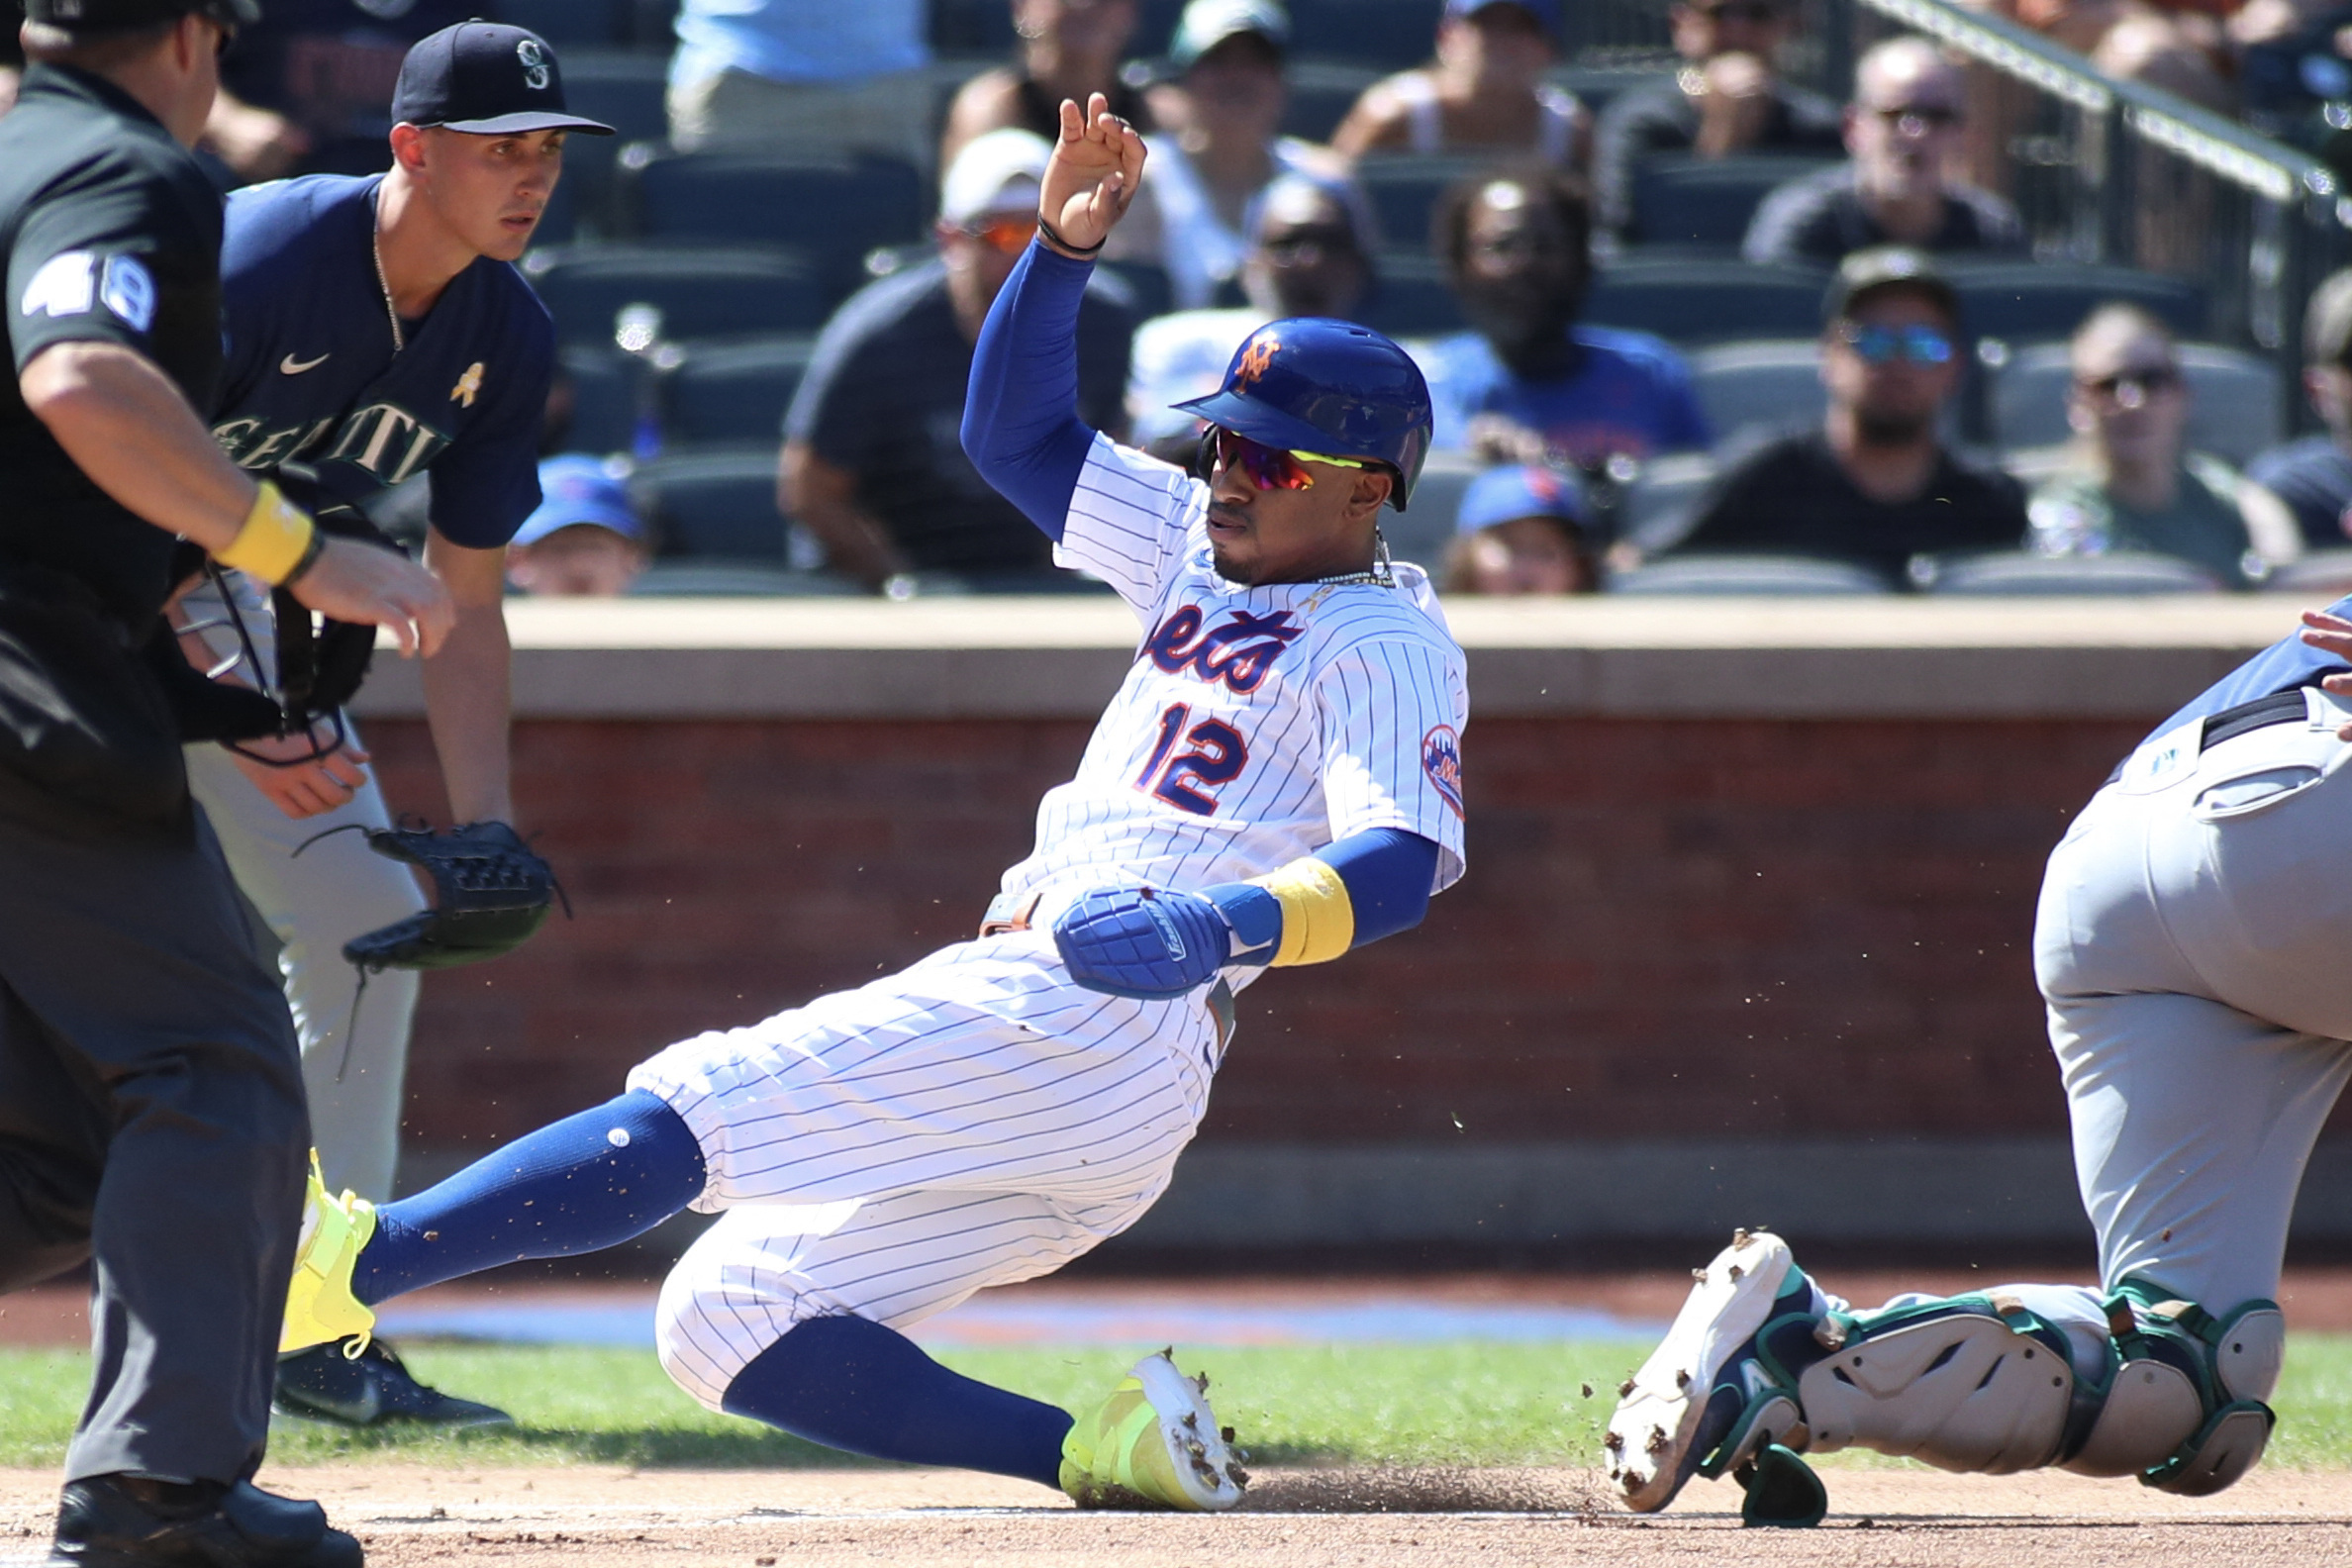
{"x":2131,"y":387}
{"x":1008,"y":235}
{"x":1878,"y":345}
{"x":1267,"y":467}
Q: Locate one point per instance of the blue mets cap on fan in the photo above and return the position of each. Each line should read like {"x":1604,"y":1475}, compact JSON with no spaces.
{"x":1316,"y":385}
{"x":485,"y":79}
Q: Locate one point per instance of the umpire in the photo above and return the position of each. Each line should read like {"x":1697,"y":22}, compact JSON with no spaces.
{"x":151,"y":1097}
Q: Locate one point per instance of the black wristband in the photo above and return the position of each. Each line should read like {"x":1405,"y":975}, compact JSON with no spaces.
{"x":308,"y":559}
{"x":1073,"y":253}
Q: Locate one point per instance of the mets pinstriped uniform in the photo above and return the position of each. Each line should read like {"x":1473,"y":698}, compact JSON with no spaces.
{"x":980,"y":1118}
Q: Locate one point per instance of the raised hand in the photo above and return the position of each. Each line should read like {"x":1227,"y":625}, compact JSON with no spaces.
{"x":1096,"y":168}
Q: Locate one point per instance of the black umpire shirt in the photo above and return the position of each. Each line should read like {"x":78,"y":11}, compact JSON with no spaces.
{"x":111,"y":234}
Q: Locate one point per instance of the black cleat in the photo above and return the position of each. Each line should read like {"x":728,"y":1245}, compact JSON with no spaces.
{"x":127,"y":1521}
{"x":369,"y":1389}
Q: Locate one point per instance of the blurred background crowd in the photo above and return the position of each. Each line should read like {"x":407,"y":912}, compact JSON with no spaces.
{"x":1753,"y":295}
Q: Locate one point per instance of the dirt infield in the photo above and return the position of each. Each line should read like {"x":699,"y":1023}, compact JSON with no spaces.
{"x":600,"y":1518}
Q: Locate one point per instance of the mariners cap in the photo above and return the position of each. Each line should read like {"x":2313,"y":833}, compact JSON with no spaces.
{"x":1506,"y":494}
{"x":1208,"y":22}
{"x":1545,"y":12}
{"x":486,"y":78}
{"x":1866,"y":272}
{"x":113,"y":16}
{"x":577,"y":492}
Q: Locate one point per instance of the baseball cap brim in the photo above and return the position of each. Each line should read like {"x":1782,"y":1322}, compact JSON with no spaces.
{"x":527,"y":120}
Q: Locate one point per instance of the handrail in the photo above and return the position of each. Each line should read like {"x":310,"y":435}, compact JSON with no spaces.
{"x":2270,"y":169}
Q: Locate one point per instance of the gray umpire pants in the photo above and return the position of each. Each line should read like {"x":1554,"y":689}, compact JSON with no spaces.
{"x":151,"y":1122}
{"x":2194,"y":946}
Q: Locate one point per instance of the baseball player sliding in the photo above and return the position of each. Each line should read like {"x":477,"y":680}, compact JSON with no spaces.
{"x":2190,"y":946}
{"x":1277,"y":781}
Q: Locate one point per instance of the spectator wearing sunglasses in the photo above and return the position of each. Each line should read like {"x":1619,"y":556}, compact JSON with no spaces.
{"x":1485,"y":93}
{"x":1727,"y":98}
{"x":1903,"y":134}
{"x":2313,"y":475}
{"x":873,"y":460}
{"x":2129,"y":482}
{"x":1874,"y":485}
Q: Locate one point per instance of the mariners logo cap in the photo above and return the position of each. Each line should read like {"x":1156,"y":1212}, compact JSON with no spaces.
{"x":486,"y":78}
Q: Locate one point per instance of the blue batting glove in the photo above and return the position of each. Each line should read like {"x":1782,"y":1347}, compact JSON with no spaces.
{"x":1145,"y":942}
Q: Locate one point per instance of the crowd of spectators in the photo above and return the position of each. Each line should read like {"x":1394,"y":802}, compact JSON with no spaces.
{"x":1549,"y":417}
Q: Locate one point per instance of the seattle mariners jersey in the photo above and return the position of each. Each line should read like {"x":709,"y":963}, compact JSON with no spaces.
{"x":312,"y":375}
{"x":1257,"y":724}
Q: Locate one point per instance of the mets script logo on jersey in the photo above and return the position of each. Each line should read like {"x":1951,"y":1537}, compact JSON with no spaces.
{"x":1257,"y":360}
{"x":1237,"y":651}
{"x":1441,"y":759}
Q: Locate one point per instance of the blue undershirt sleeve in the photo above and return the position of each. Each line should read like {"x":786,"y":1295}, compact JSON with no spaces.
{"x":1389,"y":873}
{"x":1020,"y":424}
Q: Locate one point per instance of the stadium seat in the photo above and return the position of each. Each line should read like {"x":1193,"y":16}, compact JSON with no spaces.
{"x":834,"y":210}
{"x":1422,"y":530}
{"x":1403,"y":189}
{"x":1773,"y":575}
{"x":701,"y":293}
{"x":623,"y":88}
{"x":714,"y":506}
{"x":733,"y":394}
{"x":1706,"y":203}
{"x":2234,"y":409}
{"x":1700,"y":300}
{"x":1321,"y":94}
{"x":1596,"y":86}
{"x":568,"y":21}
{"x":1411,"y":297}
{"x":605,"y":386}
{"x":1656,"y":510}
{"x":2021,"y":574}
{"x":2322,"y":576}
{"x":1754,"y":389}
{"x":1390,"y":35}
{"x":2035,"y":301}
{"x":699,"y":579}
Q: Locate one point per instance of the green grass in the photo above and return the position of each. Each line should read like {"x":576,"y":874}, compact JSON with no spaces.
{"x":1454,"y":1403}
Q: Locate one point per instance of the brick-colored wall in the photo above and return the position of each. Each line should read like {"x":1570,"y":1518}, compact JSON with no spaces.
{"x":1670,"y":928}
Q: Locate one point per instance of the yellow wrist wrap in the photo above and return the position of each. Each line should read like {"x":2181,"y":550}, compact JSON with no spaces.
{"x":273,"y":540}
{"x":1317,"y":920}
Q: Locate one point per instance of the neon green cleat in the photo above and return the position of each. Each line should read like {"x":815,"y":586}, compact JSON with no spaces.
{"x":320,"y":1305}
{"x":1154,"y":1443}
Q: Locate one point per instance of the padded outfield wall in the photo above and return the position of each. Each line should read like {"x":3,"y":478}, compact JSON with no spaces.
{"x":1745,"y":935}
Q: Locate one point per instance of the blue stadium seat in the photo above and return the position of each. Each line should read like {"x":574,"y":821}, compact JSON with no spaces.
{"x":834,"y":210}
{"x":1700,"y":300}
{"x":701,"y":293}
{"x":1321,"y":94}
{"x":1596,"y":86}
{"x":2019,"y":575}
{"x":1389,"y":34}
{"x":1706,"y":203}
{"x":605,"y":385}
{"x":1411,"y":297}
{"x":1751,"y":390}
{"x":1657,"y":509}
{"x":1404,"y":188}
{"x":733,"y":394}
{"x":623,"y":88}
{"x":2033,"y":301}
{"x":563,"y":22}
{"x":1767,"y":575}
{"x":714,"y":506}
{"x":1422,"y":530}
{"x":2321,"y":577}
{"x":2235,"y":407}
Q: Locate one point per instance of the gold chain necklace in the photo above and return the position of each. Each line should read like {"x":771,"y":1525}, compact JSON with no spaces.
{"x":375,"y":249}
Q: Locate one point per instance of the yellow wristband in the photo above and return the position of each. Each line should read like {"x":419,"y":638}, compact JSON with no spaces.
{"x":1317,"y":918}
{"x":274,"y":540}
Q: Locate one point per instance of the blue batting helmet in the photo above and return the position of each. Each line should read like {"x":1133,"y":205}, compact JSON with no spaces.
{"x":1311,"y":384}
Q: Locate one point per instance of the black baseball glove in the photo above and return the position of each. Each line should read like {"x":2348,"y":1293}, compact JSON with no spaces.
{"x":491,"y":893}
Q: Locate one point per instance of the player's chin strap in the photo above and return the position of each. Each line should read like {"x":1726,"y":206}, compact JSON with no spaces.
{"x":1979,"y":1383}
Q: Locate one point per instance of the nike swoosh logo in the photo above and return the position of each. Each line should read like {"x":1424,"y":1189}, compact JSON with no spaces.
{"x":293,"y":366}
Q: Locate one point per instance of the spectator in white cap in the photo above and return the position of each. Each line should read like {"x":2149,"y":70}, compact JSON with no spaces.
{"x":873,"y":460}
{"x":1524,"y":529}
{"x":1212,"y":166}
{"x":585,"y":541}
{"x":1484,"y":93}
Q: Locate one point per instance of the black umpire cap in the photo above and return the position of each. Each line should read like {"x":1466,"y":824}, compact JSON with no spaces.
{"x":114,"y":16}
{"x":486,"y":78}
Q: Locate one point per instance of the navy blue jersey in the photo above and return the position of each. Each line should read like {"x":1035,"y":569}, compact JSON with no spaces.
{"x":312,"y":376}
{"x":2283,"y":666}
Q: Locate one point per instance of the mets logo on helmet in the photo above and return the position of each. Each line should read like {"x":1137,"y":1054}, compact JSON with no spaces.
{"x":1257,"y":360}
{"x":1441,"y":759}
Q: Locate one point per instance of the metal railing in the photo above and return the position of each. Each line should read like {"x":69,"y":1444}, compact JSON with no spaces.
{"x":2129,"y":174}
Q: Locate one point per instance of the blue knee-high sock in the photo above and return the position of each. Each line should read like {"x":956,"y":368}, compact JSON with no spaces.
{"x":852,"y":1384}
{"x":584,"y":1183}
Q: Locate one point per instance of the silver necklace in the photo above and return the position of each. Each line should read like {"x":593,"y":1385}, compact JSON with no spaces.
{"x":1382,"y":574}
{"x":375,"y":249}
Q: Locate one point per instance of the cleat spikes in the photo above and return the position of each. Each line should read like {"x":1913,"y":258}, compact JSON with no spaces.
{"x":1699,"y":1275}
{"x":1625,"y":1389}
{"x":1658,"y":1441}
{"x":1682,"y":1377}
{"x":1614,"y":1441}
{"x":1736,"y":1272}
{"x":1224,"y":1434}
{"x":1739,"y":1237}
